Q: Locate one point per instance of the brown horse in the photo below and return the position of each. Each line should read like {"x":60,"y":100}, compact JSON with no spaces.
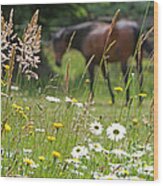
{"x":90,"y":39}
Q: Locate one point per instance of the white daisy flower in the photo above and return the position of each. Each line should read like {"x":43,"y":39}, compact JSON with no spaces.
{"x":79,"y":151}
{"x":147,"y":170}
{"x":68,"y":100}
{"x":41,"y":130}
{"x":116,"y":132}
{"x":96,"y":147}
{"x":14,"y":88}
{"x":119,"y":153}
{"x":80,"y":105}
{"x":138,"y":154}
{"x":96,"y":128}
{"x":53,"y":99}
{"x":27,"y":151}
{"x":74,"y":101}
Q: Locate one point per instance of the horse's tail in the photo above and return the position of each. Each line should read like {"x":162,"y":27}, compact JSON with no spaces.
{"x":146,"y":44}
{"x":136,"y":31}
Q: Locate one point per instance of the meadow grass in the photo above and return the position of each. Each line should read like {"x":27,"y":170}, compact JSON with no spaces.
{"x":28,"y":132}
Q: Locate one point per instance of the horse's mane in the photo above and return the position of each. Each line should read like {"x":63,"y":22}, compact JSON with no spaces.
{"x":81,"y":31}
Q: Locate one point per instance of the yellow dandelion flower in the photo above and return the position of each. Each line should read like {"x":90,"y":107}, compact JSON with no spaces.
{"x":58,"y":125}
{"x":74,"y":100}
{"x":7,"y":127}
{"x":41,"y":158}
{"x":7,"y":67}
{"x":56,"y":154}
{"x":51,"y":138}
{"x":27,"y":108}
{"x":28,"y":161}
{"x":126,"y":172}
{"x":17,"y":107}
{"x":87,"y":81}
{"x":118,"y":89}
{"x":142,"y":95}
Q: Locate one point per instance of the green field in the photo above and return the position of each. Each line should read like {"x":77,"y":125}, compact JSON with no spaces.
{"x":33,"y":146}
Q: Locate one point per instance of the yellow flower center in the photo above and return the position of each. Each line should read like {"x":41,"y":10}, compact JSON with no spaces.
{"x":142,"y":95}
{"x":118,"y":89}
{"x":28,"y":161}
{"x":74,"y":100}
{"x":7,"y":67}
{"x":51,"y":138}
{"x":56,"y":154}
{"x":7,"y":127}
{"x":41,"y":158}
{"x":58,"y":125}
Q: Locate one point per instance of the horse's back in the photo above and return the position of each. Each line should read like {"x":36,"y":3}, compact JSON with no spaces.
{"x":124,"y":33}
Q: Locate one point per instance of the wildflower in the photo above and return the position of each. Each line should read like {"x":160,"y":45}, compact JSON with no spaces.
{"x":7,"y":127}
{"x":68,"y":100}
{"x":138,"y":154}
{"x":118,"y":89}
{"x":79,"y":151}
{"x":80,"y":105}
{"x":56,"y":154}
{"x":7,"y":67}
{"x":119,"y":153}
{"x":14,"y":88}
{"x":27,"y":151}
{"x":116,"y":132}
{"x":51,"y":138}
{"x":74,"y":100}
{"x":41,"y":158}
{"x":52,"y":99}
{"x":40,"y":130}
{"x":96,"y":128}
{"x":28,"y":161}
{"x":96,"y":147}
{"x":87,"y":81}
{"x":142,"y":95}
{"x":17,"y":107}
{"x":147,"y":170}
{"x":58,"y":125}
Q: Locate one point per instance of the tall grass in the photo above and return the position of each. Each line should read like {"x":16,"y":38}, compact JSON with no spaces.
{"x":40,"y":133}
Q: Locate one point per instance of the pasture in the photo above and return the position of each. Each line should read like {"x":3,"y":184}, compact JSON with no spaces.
{"x":50,"y":129}
{"x":30,"y":139}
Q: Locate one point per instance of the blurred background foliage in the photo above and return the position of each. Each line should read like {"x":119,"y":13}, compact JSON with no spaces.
{"x":54,"y":16}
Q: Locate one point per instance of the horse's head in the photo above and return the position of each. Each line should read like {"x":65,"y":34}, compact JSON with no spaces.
{"x":59,"y":45}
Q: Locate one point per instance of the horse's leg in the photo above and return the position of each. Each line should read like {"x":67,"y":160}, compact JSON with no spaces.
{"x":91,"y":69}
{"x":107,"y":77}
{"x":139,"y":67}
{"x":125,"y":71}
